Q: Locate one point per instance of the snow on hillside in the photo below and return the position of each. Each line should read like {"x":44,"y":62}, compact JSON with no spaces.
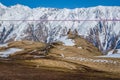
{"x":117,"y":55}
{"x":112,"y":54}
{"x":3,"y":45}
{"x":92,"y":60}
{"x":66,"y":41}
{"x":9,"y":51}
{"x":103,"y":34}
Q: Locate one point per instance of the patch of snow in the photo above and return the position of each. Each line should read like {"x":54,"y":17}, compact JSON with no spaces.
{"x":9,"y":51}
{"x":33,"y":51}
{"x":66,"y":41}
{"x":62,"y":55}
{"x":80,"y":47}
{"x":39,"y":56}
{"x":117,"y":55}
{"x":110,"y":52}
{"x":118,"y":50}
{"x":62,"y":49}
{"x":4,"y":45}
{"x":91,"y":60}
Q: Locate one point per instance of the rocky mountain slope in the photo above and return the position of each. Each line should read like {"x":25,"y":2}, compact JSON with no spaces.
{"x":20,"y":22}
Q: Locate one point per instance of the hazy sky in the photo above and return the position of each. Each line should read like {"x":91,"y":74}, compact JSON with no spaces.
{"x":62,"y":3}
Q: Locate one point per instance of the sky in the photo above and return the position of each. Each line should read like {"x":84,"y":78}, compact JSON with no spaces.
{"x":62,"y":3}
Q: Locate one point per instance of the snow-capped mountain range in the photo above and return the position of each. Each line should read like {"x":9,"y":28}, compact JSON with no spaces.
{"x":20,"y":22}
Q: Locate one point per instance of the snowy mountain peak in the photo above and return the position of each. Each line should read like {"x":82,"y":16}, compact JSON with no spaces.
{"x":20,"y":6}
{"x":31,"y":24}
{"x":2,"y":6}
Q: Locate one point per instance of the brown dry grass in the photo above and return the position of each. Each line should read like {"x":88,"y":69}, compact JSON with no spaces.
{"x":58,"y":64}
{"x":27,"y":46}
{"x":59,"y":51}
{"x":87,"y":49}
{"x":15,"y":70}
{"x":108,"y":67}
{"x":87,"y":46}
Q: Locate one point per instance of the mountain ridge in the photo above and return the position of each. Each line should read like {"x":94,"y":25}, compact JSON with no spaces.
{"x":101,"y":33}
{"x":1,"y":4}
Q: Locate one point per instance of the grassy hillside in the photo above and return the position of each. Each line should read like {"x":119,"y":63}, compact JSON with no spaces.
{"x":59,"y":61}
